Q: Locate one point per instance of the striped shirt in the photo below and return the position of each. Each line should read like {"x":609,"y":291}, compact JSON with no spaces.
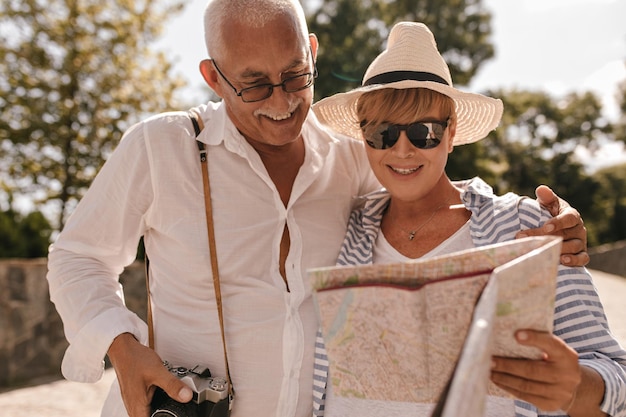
{"x":579,"y":317}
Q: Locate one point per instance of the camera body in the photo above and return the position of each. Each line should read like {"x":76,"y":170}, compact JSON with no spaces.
{"x":210,"y":395}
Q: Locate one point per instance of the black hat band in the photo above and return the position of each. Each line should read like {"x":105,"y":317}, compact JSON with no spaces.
{"x":395,"y":76}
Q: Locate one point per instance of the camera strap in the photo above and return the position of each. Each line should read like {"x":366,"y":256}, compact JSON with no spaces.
{"x":198,"y":125}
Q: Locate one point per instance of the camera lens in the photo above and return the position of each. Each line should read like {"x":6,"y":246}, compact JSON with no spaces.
{"x":173,"y":408}
{"x":163,"y":413}
{"x":164,"y":406}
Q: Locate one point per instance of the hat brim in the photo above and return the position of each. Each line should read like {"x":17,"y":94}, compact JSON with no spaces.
{"x":477,"y":115}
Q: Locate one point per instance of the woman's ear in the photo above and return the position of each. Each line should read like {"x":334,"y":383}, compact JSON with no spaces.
{"x":210,"y":75}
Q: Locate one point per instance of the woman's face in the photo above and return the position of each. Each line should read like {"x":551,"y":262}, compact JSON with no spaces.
{"x":409,"y":173}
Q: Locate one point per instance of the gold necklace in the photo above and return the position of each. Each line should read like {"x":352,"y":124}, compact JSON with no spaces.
{"x":413,"y":232}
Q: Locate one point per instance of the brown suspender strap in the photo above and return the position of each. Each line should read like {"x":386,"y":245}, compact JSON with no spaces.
{"x":198,"y":126}
{"x":150,"y":324}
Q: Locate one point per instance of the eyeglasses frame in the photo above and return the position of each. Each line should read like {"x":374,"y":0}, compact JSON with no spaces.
{"x":313,"y":75}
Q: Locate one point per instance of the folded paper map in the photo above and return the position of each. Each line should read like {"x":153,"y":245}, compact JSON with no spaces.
{"x":398,"y":332}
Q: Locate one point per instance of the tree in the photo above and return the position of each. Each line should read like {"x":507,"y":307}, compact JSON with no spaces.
{"x":620,"y":130}
{"x":537,"y":138}
{"x":75,"y":75}
{"x":608,"y":221}
{"x":24,"y":236}
{"x":352,"y":32}
{"x":535,"y":144}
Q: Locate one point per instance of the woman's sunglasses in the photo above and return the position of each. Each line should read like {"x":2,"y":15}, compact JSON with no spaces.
{"x":422,"y":135}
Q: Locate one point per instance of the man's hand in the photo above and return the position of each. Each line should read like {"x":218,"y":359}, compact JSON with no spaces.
{"x":549,"y":383}
{"x":567,"y":223}
{"x":139,"y":371}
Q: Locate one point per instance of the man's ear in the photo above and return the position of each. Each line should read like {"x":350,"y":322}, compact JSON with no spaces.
{"x":314,"y":44}
{"x":210,"y":75}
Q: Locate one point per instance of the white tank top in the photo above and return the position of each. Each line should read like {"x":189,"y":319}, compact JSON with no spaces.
{"x":384,"y":253}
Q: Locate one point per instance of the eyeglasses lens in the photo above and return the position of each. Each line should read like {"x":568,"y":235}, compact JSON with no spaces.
{"x":289,"y":85}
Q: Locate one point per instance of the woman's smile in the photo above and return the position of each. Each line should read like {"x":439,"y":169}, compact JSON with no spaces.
{"x":405,"y":171}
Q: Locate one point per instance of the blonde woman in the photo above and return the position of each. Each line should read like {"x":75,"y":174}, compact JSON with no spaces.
{"x":411,"y":118}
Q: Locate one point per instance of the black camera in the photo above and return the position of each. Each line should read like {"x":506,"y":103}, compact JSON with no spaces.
{"x":210,"y":395}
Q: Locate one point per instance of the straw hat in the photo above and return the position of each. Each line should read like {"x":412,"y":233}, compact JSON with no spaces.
{"x":412,"y":60}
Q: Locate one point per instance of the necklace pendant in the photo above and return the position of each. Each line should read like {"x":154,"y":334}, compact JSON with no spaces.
{"x":412,"y":235}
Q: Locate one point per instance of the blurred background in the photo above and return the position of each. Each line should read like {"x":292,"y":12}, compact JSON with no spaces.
{"x":77,"y":73}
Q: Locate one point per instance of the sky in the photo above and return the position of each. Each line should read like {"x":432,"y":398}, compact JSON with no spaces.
{"x":558,"y":46}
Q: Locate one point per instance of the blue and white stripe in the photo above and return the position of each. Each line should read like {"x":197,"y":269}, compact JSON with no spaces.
{"x":320,"y":376}
{"x":579,"y":317}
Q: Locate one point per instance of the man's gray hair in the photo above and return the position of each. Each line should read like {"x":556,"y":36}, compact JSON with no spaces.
{"x":253,"y":13}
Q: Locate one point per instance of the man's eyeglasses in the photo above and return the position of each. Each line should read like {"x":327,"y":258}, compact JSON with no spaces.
{"x":422,"y":135}
{"x":263,"y":91}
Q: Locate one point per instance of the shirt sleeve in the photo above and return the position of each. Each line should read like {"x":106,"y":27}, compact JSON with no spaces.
{"x":581,"y":322}
{"x":98,"y":241}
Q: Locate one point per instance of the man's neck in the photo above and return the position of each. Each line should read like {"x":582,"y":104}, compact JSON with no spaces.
{"x":282,"y":164}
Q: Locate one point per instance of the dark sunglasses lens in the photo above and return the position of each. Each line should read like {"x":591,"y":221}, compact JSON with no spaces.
{"x":419,"y":135}
{"x":378,"y":138}
{"x":417,"y":131}
{"x":390,"y":136}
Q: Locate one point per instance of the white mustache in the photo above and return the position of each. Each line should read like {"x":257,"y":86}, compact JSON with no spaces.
{"x":269,"y":113}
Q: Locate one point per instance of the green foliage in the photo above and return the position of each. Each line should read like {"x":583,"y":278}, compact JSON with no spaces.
{"x":536,"y":140}
{"x":609,"y":205}
{"x":352,"y":32}
{"x":76,"y":74}
{"x":24,"y":237}
{"x":535,"y":144}
{"x":620,"y":128}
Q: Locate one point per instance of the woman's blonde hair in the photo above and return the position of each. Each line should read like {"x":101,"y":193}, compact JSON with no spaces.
{"x":402,"y":106}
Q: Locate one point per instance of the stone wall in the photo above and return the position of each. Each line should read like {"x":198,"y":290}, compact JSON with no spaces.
{"x":32,"y":342}
{"x":609,"y":258}
{"x":31,"y":339}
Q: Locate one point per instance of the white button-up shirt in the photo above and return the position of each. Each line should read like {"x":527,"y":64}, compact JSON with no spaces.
{"x":152,"y":186}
